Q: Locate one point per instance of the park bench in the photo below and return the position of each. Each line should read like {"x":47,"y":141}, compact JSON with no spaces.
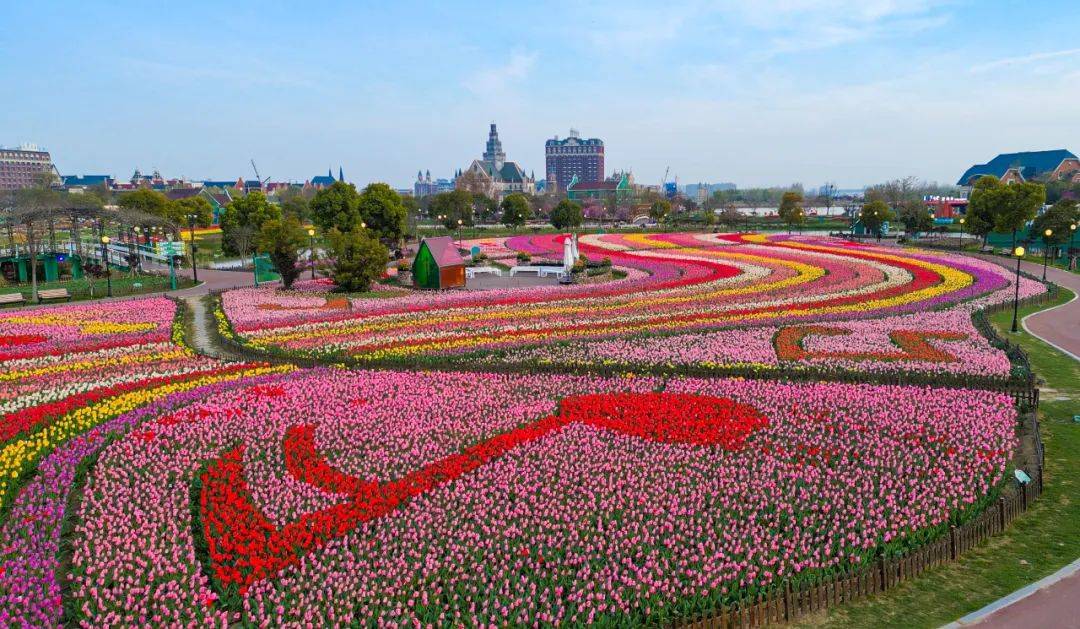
{"x":541,"y":271}
{"x":12,"y":298}
{"x":53,"y":293}
{"x":473,"y":271}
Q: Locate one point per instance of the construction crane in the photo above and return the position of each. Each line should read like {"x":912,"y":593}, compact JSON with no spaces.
{"x":262,"y":182}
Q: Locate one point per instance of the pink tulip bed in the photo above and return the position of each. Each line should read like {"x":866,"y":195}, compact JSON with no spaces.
{"x":716,"y":303}
{"x":335,"y":497}
{"x":625,"y":483}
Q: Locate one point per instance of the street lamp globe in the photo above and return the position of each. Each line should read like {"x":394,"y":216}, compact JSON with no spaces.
{"x":311,"y":232}
{"x":1048,"y":233}
{"x":1018,"y":252}
{"x":363,"y":225}
{"x":105,"y":240}
{"x":961,"y":221}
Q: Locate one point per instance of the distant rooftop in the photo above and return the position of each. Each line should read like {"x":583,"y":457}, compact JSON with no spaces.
{"x":1030,"y":163}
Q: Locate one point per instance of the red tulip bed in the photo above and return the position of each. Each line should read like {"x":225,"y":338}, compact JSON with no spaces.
{"x":144,"y":484}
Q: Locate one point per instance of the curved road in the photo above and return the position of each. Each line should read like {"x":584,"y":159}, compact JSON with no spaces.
{"x":1055,"y":601}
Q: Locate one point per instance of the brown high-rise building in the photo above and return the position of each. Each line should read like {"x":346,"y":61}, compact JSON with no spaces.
{"x":573,"y":157}
{"x":21,"y":167}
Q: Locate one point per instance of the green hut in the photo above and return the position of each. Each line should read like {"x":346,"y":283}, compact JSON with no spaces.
{"x":438,"y":264}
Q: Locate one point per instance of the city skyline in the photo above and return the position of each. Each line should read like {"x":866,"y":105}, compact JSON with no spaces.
{"x":801,"y":91}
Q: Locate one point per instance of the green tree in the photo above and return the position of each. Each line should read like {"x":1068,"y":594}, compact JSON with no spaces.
{"x":874,"y":215}
{"x":567,"y":215}
{"x":336,"y":207}
{"x":294,"y":203}
{"x":987,"y":196}
{"x":1022,"y":203}
{"x":659,"y":210}
{"x":149,"y":202}
{"x":1057,"y":218}
{"x":382,"y":210}
{"x":790,"y":210}
{"x":915,"y":217}
{"x":196,"y":205}
{"x":516,"y":210}
{"x":359,"y":259}
{"x":453,"y":206}
{"x":244,"y":217}
{"x":283,"y":239}
{"x":485,"y":209}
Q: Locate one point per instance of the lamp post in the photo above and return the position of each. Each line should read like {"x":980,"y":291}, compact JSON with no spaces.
{"x":1046,"y":247}
{"x":105,"y":258}
{"x":961,"y":247}
{"x":1019,"y":253}
{"x":311,"y":251}
{"x":1072,"y":235}
{"x":459,"y":223}
{"x":191,"y":226}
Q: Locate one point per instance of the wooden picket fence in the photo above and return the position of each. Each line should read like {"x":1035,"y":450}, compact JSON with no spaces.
{"x":785,"y":603}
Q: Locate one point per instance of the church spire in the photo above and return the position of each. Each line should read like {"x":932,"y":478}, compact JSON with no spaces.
{"x":340,"y":174}
{"x":494,"y":154}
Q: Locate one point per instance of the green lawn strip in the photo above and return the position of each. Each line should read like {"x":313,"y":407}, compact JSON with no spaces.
{"x":1035,"y":545}
{"x":121,"y":286}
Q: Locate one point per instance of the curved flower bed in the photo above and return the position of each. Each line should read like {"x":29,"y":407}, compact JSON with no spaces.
{"x":466,"y":498}
{"x":943,"y":342}
{"x":143,"y":484}
{"x":694,"y":287}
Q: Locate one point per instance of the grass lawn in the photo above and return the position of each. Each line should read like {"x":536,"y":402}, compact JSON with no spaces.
{"x":122,"y":285}
{"x":1035,"y":545}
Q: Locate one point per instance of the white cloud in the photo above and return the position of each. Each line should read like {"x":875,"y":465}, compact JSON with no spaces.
{"x":493,"y":80}
{"x":1023,"y":59}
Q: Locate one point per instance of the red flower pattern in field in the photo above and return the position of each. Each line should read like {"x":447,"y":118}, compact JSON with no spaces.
{"x":17,"y":340}
{"x":912,"y":344}
{"x":245,"y":547}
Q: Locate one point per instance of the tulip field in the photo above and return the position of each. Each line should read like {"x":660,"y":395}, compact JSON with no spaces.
{"x":701,"y":300}
{"x":561,"y":455}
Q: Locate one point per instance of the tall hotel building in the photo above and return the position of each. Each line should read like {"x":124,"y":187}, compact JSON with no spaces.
{"x":573,"y":156}
{"x":20,"y":168}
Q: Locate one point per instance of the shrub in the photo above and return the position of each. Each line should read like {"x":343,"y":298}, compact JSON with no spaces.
{"x":359,"y":259}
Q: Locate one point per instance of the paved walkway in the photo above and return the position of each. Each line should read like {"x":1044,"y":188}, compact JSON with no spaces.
{"x":1054,"y":601}
{"x":1060,"y":326}
{"x":212,"y":279}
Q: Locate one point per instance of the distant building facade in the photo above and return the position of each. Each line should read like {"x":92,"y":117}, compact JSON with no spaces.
{"x":620,"y":187}
{"x":425,"y":186}
{"x":21,"y":167}
{"x":1026,"y":166}
{"x":573,"y":157}
{"x":494,"y":175}
{"x":82,"y":182}
{"x":324,"y":181}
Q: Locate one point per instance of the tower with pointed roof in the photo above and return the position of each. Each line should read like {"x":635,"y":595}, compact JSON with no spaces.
{"x":494,"y":154}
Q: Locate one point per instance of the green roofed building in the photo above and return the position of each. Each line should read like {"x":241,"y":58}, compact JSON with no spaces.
{"x":438,"y":264}
{"x":600,"y":190}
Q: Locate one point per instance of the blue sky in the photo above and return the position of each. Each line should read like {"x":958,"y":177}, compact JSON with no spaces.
{"x":760,"y":93}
